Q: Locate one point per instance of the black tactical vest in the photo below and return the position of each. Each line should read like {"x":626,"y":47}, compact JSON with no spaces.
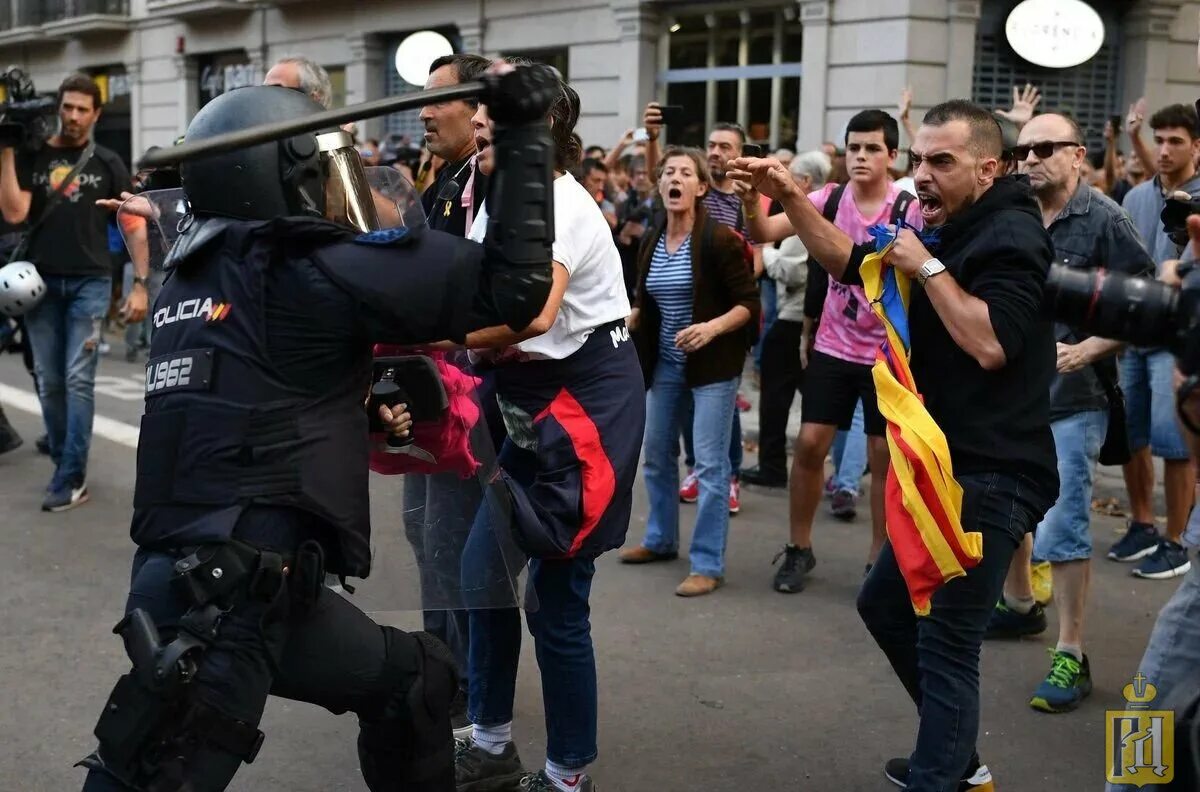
{"x":223,"y":428}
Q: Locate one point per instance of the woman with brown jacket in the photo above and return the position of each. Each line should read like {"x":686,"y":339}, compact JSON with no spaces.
{"x":696,"y":298}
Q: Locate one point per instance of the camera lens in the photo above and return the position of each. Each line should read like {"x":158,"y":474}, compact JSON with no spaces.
{"x":1138,"y":311}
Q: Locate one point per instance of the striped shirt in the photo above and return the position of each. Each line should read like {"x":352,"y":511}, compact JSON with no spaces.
{"x":669,"y":282}
{"x":725,"y":208}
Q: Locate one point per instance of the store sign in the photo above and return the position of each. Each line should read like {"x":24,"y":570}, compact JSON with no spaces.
{"x":1056,"y":34}
{"x":216,"y":79}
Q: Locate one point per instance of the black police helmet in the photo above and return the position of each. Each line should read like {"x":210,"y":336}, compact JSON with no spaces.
{"x":280,"y":178}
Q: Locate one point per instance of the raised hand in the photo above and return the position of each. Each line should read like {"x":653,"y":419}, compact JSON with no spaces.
{"x":1025,"y":101}
{"x":1135,"y":117}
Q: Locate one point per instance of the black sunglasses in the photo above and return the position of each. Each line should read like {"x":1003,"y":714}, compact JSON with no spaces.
{"x":1043,"y":150}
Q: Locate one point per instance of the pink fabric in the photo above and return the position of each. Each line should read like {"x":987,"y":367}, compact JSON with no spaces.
{"x":849,"y":329}
{"x":449,"y":439}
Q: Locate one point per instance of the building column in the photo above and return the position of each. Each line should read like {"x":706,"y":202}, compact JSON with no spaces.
{"x":133,"y":73}
{"x":960,"y":52}
{"x":641,"y":31}
{"x":1145,"y":51}
{"x":188,"y":79}
{"x":365,"y":78}
{"x":814,"y":84}
{"x":472,"y":33}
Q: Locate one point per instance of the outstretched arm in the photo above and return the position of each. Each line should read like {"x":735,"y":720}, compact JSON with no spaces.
{"x":824,"y":241}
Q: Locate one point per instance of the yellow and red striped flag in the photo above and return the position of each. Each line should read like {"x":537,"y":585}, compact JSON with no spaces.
{"x":922,"y":501}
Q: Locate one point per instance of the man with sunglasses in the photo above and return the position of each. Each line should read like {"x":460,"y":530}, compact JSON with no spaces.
{"x":1088,"y":231}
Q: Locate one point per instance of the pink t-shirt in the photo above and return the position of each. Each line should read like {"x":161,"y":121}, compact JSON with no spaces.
{"x":849,"y":329}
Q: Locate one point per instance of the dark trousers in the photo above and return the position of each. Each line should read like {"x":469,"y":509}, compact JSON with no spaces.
{"x":560,"y":624}
{"x":781,"y":376}
{"x":329,"y":654}
{"x":936,"y":657}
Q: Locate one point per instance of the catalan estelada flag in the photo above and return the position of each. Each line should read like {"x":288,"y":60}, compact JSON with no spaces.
{"x":922,"y":501}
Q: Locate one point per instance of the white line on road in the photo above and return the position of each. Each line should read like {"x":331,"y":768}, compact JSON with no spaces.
{"x":27,"y":401}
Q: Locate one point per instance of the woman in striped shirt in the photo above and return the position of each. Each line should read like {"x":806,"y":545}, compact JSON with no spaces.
{"x":696,"y":298}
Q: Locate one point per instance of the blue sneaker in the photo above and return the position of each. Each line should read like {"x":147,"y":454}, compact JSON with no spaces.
{"x":1168,"y":560}
{"x":1137,"y":543}
{"x":1068,"y":683}
{"x":62,"y":497}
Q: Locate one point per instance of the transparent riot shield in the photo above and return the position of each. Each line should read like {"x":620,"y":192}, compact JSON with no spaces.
{"x":150,"y":222}
{"x":441,"y":515}
{"x":397,"y":202}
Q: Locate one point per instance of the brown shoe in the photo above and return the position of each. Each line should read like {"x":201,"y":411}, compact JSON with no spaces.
{"x":644,"y":555}
{"x":698,"y":585}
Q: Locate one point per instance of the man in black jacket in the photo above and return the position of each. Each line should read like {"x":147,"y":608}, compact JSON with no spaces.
{"x":983,"y":357}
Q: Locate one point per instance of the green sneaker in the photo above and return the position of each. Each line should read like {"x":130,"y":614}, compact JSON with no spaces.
{"x":1068,"y":683}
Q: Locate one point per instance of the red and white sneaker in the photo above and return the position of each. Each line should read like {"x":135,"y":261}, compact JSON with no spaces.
{"x":735,"y":496}
{"x":689,"y":490}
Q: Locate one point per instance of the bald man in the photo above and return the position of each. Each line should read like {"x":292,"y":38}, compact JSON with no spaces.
{"x":1088,"y":231}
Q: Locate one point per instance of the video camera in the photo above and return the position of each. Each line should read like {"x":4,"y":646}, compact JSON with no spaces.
{"x":26,"y":119}
{"x":1139,"y":311}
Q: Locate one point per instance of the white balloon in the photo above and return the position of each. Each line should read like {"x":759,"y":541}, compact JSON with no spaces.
{"x":416,"y":52}
{"x":1056,"y":34}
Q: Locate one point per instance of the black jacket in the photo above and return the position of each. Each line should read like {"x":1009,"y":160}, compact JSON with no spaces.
{"x":994,"y":421}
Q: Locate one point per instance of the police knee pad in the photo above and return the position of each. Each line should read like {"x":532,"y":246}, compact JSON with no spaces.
{"x":405,"y":743}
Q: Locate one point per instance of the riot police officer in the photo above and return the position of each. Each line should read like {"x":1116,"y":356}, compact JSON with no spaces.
{"x":252,"y":463}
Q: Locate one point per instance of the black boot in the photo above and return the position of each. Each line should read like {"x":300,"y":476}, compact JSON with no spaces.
{"x":9,"y":439}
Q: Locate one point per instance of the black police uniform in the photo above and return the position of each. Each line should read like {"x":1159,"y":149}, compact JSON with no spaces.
{"x":252,"y":484}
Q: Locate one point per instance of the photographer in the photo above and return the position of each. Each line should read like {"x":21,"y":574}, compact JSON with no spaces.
{"x":1172,"y":658}
{"x":55,"y":189}
{"x":1146,"y":371}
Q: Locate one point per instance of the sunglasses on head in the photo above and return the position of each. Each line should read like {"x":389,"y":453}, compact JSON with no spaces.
{"x":1043,"y":150}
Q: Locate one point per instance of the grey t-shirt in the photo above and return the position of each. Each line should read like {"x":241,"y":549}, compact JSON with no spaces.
{"x":1090,"y":233}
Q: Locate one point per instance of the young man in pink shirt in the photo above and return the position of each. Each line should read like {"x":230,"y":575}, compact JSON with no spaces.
{"x":838,"y":369}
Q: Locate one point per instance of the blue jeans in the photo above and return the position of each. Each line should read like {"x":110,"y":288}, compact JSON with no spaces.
{"x":562,"y":638}
{"x":1147,"y":379}
{"x":850,"y":454}
{"x":1172,"y":659}
{"x":713,"y":411}
{"x":64,"y":330}
{"x":735,"y":438}
{"x":768,"y":296}
{"x":936,"y":657}
{"x":1064,"y":534}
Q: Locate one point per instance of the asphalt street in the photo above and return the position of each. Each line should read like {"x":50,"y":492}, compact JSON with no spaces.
{"x":742,"y":690}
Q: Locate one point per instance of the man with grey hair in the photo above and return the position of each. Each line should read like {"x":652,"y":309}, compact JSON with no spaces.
{"x":782,"y":370}
{"x":303,"y":74}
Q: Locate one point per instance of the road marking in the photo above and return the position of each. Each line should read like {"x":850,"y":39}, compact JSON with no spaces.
{"x":124,"y":388}
{"x":27,"y":401}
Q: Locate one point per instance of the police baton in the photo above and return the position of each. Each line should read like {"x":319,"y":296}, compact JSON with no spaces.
{"x":278,"y":130}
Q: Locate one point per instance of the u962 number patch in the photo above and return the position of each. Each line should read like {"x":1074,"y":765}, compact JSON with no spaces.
{"x":185,"y":370}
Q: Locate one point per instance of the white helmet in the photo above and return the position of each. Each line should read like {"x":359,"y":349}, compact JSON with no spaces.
{"x":21,"y":288}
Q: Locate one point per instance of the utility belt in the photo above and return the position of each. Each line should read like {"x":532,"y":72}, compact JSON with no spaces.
{"x":152,"y":724}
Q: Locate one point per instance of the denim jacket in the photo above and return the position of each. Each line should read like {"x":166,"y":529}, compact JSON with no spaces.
{"x":1092,"y":232}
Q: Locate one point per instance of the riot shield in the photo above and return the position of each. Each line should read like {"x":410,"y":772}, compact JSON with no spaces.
{"x":150,"y":222}
{"x":397,"y":202}
{"x":441,"y":513}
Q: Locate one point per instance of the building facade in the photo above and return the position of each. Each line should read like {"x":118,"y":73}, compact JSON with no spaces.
{"x":791,"y":72}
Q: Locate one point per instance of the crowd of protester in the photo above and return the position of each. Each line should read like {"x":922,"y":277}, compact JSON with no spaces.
{"x":728,"y":289}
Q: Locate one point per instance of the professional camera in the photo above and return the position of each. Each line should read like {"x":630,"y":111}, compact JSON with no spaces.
{"x":26,"y":119}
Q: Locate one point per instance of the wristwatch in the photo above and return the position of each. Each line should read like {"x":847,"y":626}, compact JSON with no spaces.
{"x":145,"y":282}
{"x":929,"y":269}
